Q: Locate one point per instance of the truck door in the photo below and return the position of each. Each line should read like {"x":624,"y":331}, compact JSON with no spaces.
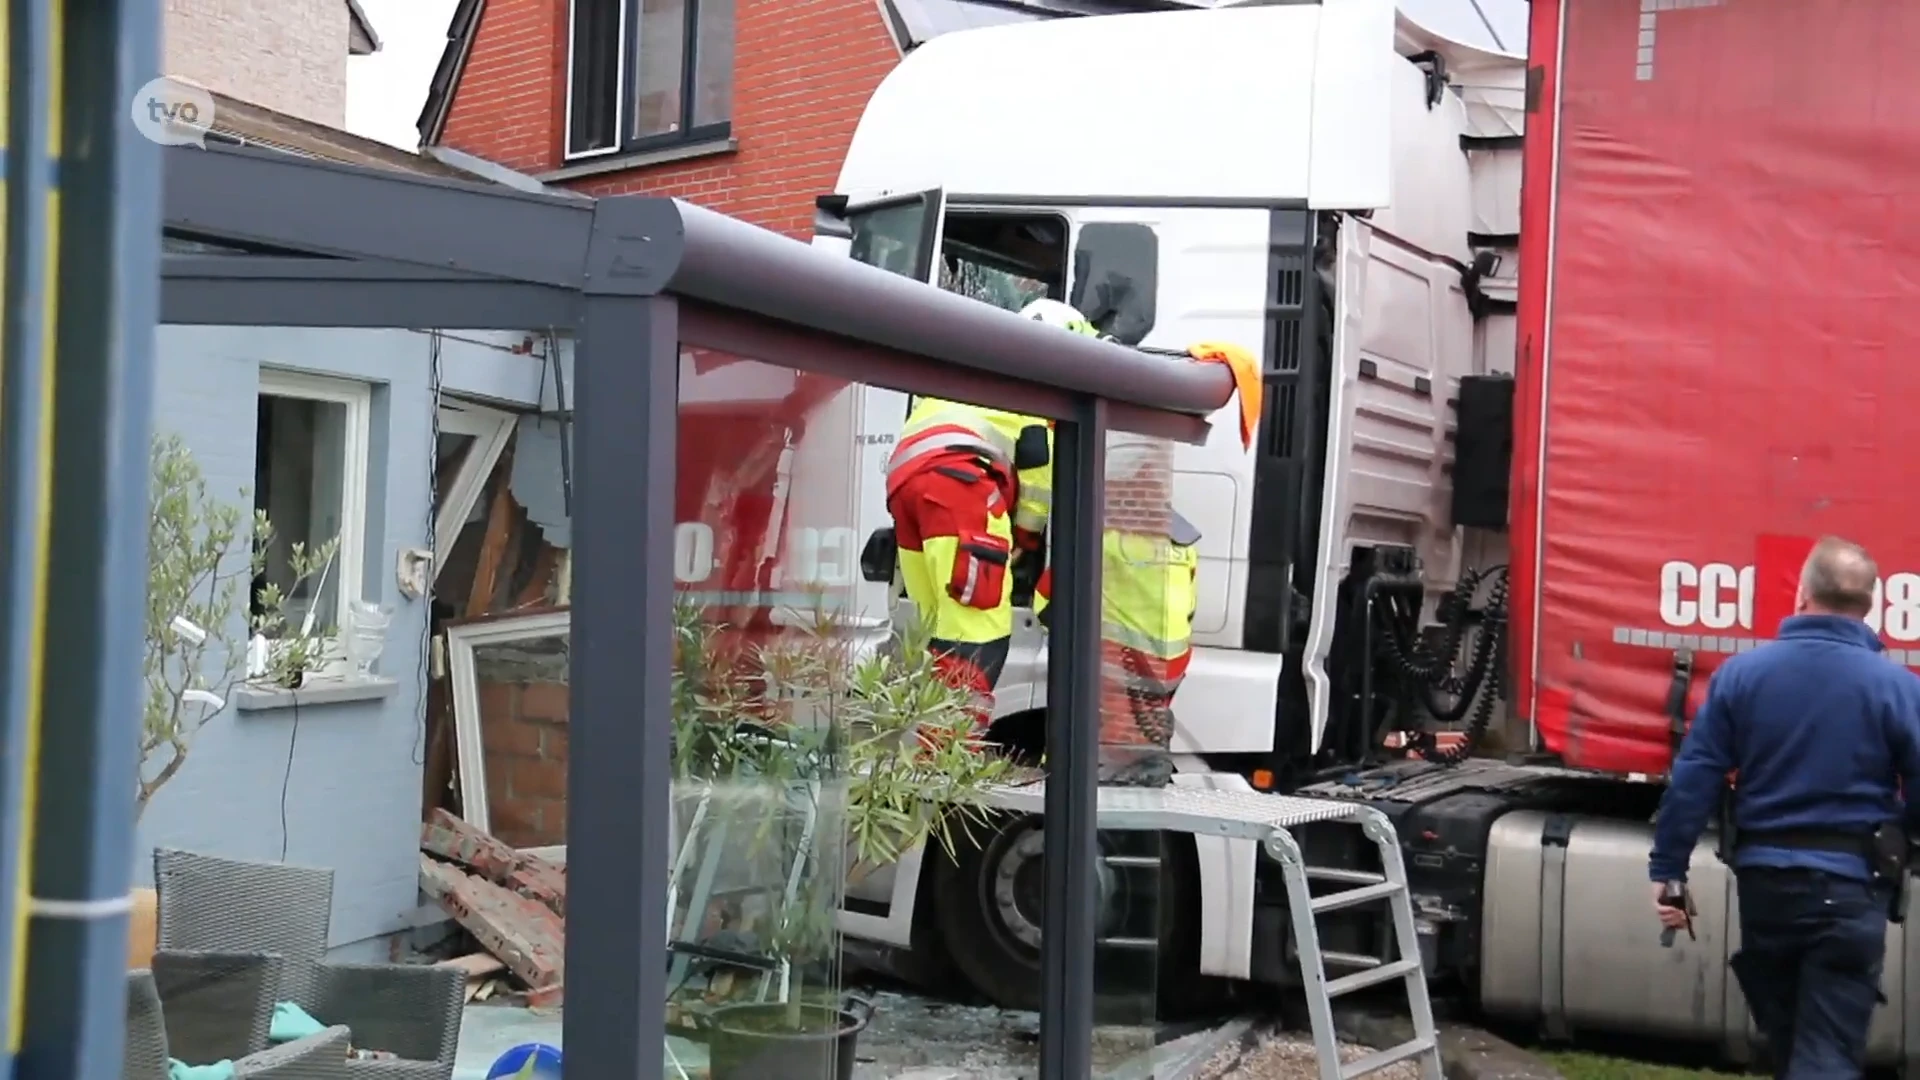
{"x":901,"y":234}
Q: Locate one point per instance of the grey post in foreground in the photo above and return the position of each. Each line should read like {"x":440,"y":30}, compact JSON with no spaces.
{"x":95,"y":583}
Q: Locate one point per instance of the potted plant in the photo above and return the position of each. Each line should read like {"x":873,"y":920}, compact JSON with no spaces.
{"x":198,"y":563}
{"x":837,"y":760}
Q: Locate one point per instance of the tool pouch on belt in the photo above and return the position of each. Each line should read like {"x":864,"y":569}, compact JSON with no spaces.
{"x":1887,"y":854}
{"x":980,"y":566}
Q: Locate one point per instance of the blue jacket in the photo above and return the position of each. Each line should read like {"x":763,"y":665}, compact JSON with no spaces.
{"x":1822,"y":728}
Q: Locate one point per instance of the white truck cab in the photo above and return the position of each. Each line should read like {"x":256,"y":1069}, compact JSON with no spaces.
{"x":1328,"y":185}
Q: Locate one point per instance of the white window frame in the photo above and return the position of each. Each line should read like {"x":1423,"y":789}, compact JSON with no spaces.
{"x":620,"y":139}
{"x":490,"y":429}
{"x":464,"y":675}
{"x":357,"y":396}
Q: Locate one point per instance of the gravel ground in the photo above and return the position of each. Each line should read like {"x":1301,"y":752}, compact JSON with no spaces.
{"x":1289,"y":1056}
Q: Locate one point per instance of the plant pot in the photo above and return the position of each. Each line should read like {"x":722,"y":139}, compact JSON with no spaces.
{"x":752,"y":1042}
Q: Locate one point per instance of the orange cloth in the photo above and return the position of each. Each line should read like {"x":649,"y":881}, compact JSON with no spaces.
{"x":1246,"y":380}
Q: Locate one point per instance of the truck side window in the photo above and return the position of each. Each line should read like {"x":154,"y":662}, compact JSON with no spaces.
{"x":895,"y":235}
{"x":1115,"y":275}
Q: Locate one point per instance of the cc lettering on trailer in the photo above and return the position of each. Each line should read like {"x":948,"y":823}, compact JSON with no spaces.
{"x":812,"y":557}
{"x":1719,"y":597}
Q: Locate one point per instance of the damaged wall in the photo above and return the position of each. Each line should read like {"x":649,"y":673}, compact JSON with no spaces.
{"x":346,"y":775}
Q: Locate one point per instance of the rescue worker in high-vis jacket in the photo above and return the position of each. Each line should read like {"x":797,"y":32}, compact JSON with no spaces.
{"x":1148,"y":595}
{"x":1150,"y":564}
{"x":970,"y":489}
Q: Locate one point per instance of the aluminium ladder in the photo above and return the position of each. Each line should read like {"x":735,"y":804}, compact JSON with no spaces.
{"x":1268,"y":820}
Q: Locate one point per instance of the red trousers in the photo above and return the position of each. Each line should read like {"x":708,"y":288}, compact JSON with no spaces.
{"x":955,"y":540}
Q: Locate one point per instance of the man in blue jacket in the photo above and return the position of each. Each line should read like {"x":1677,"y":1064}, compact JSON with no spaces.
{"x":1824,"y":735}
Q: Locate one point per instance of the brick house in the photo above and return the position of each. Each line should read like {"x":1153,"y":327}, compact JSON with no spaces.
{"x":744,"y":106}
{"x":288,"y":56}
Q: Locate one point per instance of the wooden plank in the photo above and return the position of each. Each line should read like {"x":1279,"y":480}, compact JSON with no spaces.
{"x":493,"y":543}
{"x":450,"y":838}
{"x":542,"y":580}
{"x":527,"y":937}
{"x":475,"y":965}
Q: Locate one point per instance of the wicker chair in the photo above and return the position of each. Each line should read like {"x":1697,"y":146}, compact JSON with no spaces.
{"x":220,"y":905}
{"x":317,"y":1057}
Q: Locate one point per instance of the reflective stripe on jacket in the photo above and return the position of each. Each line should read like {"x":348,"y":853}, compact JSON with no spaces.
{"x":937,"y":427}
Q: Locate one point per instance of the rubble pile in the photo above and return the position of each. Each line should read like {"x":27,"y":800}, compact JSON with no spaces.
{"x":512,"y":902}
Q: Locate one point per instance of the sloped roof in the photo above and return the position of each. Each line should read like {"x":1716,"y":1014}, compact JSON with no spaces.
{"x":912,"y":23}
{"x":256,"y":125}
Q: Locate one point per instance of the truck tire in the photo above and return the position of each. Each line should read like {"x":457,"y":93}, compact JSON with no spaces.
{"x":997,"y":949}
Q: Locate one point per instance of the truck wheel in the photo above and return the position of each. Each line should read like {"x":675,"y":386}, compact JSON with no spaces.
{"x":987,"y":904}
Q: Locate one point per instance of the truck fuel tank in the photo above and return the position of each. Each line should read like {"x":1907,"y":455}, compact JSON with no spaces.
{"x":1569,"y":940}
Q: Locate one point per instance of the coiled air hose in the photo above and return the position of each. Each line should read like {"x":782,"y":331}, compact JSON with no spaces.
{"x":1433,"y":668}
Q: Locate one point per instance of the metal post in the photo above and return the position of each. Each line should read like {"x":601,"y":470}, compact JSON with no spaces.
{"x":1073,"y":721}
{"x":25,"y":363}
{"x":619,"y":776}
{"x":108,"y":284}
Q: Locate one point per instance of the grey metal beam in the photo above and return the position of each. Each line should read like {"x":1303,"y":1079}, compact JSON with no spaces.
{"x":25,"y":365}
{"x":1067,"y":988}
{"x":620,"y":776}
{"x":273,"y":198}
{"x":863,"y":362}
{"x":729,"y":262}
{"x":95,"y":585}
{"x":468,"y":305}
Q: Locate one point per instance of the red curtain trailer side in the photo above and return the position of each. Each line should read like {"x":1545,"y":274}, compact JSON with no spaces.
{"x":1719,"y":343}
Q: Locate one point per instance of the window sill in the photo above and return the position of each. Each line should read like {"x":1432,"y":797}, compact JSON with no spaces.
{"x":639,"y":159}
{"x":252,"y":698}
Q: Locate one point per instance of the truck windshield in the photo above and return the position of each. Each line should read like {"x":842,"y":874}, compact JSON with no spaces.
{"x":989,"y":284}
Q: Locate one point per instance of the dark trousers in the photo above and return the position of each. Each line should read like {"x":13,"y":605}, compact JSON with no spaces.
{"x":1811,"y":948}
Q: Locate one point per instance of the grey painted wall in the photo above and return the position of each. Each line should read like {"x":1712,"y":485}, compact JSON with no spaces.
{"x":352,"y":784}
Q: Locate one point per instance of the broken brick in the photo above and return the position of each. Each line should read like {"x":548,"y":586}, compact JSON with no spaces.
{"x":449,"y":838}
{"x":528,"y":937}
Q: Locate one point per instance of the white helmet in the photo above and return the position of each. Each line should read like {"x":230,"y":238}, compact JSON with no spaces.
{"x":1055,"y":313}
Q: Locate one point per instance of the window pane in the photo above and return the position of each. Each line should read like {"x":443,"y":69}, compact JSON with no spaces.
{"x":990,"y":284}
{"x":1115,"y":274}
{"x":522,"y":692}
{"x":299,"y":481}
{"x":659,"y":62}
{"x":892,"y":237}
{"x":595,"y":98}
{"x":713,"y":63}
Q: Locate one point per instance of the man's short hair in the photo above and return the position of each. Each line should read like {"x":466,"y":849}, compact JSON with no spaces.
{"x":1839,"y":577}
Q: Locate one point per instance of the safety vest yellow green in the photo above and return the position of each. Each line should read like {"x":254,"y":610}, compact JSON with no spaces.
{"x":1149,"y":590}
{"x":1007,"y":439}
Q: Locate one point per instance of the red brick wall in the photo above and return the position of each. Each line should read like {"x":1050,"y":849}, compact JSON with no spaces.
{"x":803,"y":71}
{"x":512,"y":99}
{"x":523,"y":732}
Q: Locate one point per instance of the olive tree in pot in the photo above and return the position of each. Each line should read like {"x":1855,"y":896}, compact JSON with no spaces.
{"x":839,"y":760}
{"x":199,"y":562}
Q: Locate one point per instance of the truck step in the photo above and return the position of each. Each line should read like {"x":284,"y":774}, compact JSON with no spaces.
{"x":1360,"y":980}
{"x":1365,"y":894}
{"x":1380,"y":1059}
